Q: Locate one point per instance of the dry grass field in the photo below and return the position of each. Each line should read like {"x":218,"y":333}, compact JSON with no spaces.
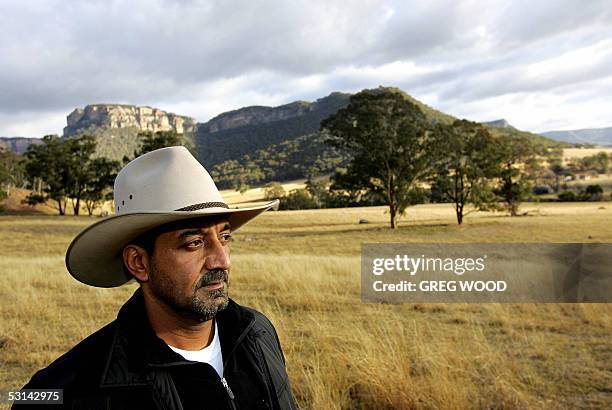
{"x":301,"y":268}
{"x":573,"y":153}
{"x":253,"y":195}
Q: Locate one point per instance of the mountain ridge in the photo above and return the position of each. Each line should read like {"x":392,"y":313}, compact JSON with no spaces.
{"x":18,"y":145}
{"x":595,"y":136}
{"x":258,"y":142}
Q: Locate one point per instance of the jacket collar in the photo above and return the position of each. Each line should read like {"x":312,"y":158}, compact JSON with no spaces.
{"x":136,"y":350}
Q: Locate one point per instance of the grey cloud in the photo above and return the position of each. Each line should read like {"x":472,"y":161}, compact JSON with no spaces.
{"x":57,"y":55}
{"x":99,"y":50}
{"x":526,"y":21}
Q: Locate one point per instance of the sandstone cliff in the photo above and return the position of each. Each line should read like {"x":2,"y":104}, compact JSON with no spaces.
{"x":116,"y":116}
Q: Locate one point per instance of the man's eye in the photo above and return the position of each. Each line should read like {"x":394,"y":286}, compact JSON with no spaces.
{"x":226,"y":238}
{"x":194,"y":243}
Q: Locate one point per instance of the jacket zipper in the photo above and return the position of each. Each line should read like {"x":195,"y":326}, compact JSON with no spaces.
{"x":230,"y":393}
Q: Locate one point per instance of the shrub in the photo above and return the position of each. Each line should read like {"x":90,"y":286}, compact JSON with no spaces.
{"x":567,"y":196}
{"x":299,"y":199}
{"x":273,"y":190}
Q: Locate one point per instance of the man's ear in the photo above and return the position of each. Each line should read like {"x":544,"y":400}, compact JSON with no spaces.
{"x":136,"y":260}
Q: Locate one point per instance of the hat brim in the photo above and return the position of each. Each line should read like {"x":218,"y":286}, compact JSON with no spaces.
{"x":95,"y":256}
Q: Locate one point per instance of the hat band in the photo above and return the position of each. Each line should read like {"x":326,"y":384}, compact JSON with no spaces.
{"x":204,"y":205}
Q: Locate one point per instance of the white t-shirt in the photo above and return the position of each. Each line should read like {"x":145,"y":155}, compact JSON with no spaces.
{"x":211,"y":354}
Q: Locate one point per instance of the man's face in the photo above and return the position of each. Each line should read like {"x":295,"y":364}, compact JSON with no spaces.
{"x":189,"y":269}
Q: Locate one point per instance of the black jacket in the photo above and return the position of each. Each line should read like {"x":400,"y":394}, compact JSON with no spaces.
{"x":125,"y":365}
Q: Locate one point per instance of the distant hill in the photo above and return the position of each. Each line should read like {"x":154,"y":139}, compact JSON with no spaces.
{"x":231,"y":135}
{"x":18,"y":145}
{"x":503,"y":127}
{"x":595,"y":136}
{"x":251,"y":145}
{"x":258,"y":144}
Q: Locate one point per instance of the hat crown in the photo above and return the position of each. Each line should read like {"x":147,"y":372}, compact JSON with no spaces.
{"x":164,"y":180}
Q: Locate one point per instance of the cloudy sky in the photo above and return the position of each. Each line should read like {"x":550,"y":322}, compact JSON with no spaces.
{"x":542,"y":65}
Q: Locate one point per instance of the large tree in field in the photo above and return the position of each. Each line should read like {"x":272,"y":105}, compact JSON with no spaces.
{"x":392,"y":144}
{"x":12,"y":171}
{"x":5,"y":178}
{"x":98,"y":188}
{"x":47,"y":167}
{"x":79,"y":153}
{"x":469,"y":164}
{"x":518,"y":164}
{"x":65,"y":169}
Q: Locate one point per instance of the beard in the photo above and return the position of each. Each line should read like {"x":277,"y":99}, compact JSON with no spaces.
{"x":201,"y":305}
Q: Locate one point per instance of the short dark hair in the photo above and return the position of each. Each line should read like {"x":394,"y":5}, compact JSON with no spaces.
{"x":146,"y":241}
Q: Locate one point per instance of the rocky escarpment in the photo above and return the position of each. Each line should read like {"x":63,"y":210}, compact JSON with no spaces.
{"x":501,"y":123}
{"x":116,"y":116}
{"x":255,"y":115}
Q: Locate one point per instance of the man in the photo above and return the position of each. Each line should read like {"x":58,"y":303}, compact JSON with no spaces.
{"x":179,"y":342}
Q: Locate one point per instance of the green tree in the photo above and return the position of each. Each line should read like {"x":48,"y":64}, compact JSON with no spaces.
{"x":599,"y":163}
{"x":273,"y":190}
{"x":392,"y":147}
{"x":567,"y":196}
{"x":46,"y":166}
{"x":5,"y":178}
{"x":470,"y":162}
{"x":65,"y":170}
{"x":592,"y":193}
{"x":298,"y":199}
{"x":12,"y":171}
{"x":317,"y":188}
{"x":518,"y":159}
{"x":78,"y":159}
{"x":98,"y":188}
{"x":156,"y":140}
{"x":558,"y":170}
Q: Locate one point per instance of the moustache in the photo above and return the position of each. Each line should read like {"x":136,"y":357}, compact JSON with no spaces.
{"x":211,"y":276}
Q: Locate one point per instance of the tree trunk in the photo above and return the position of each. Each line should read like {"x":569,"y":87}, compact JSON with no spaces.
{"x":391,"y":198}
{"x":60,"y":207}
{"x":76,"y":206}
{"x":514,"y":209}
{"x":459,"y":212}
{"x":393,"y":213}
{"x":91,"y":206}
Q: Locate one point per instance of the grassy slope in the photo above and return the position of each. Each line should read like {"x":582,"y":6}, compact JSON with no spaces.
{"x":302,"y":269}
{"x":439,"y":116}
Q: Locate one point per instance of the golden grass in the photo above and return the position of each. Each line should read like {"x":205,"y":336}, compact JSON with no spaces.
{"x":301,"y":268}
{"x":253,"y":195}
{"x":578,"y":153}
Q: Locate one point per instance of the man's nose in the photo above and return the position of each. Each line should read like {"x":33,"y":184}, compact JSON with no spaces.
{"x":218,"y":256}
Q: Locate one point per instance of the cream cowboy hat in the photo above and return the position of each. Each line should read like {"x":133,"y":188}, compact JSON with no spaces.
{"x":162,"y":186}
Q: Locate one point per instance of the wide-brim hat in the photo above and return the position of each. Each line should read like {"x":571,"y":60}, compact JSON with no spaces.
{"x":162,"y":186}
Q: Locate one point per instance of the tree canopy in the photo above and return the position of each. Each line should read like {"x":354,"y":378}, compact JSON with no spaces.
{"x":465,"y":171}
{"x":65,"y":169}
{"x":392,"y":143}
{"x":518,"y":165}
{"x":150,"y":141}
